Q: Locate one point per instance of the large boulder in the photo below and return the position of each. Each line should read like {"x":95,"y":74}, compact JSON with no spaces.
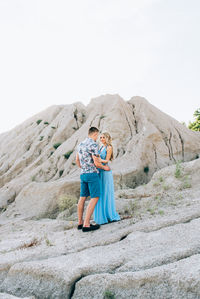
{"x":42,"y":149}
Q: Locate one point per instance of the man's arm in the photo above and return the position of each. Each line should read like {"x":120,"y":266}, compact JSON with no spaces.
{"x":98,"y":164}
{"x":78,"y":161}
{"x":95,"y":155}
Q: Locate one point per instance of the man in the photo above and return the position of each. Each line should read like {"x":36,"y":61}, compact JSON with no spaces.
{"x":87,"y":159}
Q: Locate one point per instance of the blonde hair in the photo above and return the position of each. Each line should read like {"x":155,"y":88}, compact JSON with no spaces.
{"x":109,"y":142}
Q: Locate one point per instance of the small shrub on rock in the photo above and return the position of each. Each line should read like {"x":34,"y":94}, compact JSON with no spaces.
{"x":56,"y":145}
{"x":68,"y":154}
{"x":108,"y":295}
{"x":48,"y":242}
{"x":38,"y":121}
{"x":61,"y":172}
{"x":66,"y":202}
{"x":156,"y":184}
{"x":186,"y":183}
{"x":178,"y":171}
{"x":151,"y":211}
{"x":33,"y":178}
{"x":166,"y":187}
{"x":161,"y":212}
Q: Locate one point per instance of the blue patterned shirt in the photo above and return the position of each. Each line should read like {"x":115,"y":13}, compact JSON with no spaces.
{"x":86,"y":149}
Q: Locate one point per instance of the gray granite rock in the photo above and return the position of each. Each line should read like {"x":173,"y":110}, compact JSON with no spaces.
{"x":7,"y":296}
{"x":135,"y":251}
{"x":153,"y":252}
{"x":178,"y":280}
{"x":37,"y":158}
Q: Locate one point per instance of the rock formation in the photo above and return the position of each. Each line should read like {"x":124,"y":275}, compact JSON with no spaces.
{"x":37,"y":158}
{"x":153,"y":252}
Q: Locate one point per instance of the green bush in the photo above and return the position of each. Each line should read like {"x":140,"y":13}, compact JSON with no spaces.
{"x":61,"y":172}
{"x":56,"y":145}
{"x":66,"y":202}
{"x":133,"y":206}
{"x":41,"y":138}
{"x":186,"y":183}
{"x":178,"y":170}
{"x":151,"y":211}
{"x":108,"y":295}
{"x":53,"y":127}
{"x":33,"y":178}
{"x":48,"y":242}
{"x":68,"y":154}
{"x":195,"y":126}
{"x":46,"y":123}
{"x":155,"y":184}
{"x":38,"y":121}
{"x":166,"y":187}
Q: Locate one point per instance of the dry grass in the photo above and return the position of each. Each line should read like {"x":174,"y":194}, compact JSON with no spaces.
{"x":32,"y":243}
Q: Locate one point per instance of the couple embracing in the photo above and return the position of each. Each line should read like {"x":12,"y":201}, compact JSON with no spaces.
{"x":96,"y":181}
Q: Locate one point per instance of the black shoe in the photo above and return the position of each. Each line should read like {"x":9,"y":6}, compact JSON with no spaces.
{"x":90,"y":228}
{"x":80,"y":226}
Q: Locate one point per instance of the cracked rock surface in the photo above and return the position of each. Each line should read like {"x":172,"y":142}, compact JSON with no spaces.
{"x":148,"y":254}
{"x":153,"y":252}
{"x":125,"y":258}
{"x":175,"y":280}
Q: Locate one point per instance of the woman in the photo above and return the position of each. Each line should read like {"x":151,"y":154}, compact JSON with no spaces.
{"x":105,"y":208}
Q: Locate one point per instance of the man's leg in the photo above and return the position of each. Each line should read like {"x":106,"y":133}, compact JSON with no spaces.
{"x":84,"y":193}
{"x":80,"y":209}
{"x":90,"y":210}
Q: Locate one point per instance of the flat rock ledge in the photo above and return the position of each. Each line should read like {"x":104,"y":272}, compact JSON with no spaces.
{"x":7,"y":296}
{"x":176,"y":280}
{"x":157,"y":258}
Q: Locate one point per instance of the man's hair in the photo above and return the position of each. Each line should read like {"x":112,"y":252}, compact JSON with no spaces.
{"x":92,"y":130}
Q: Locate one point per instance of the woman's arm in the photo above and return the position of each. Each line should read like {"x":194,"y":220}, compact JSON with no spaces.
{"x":97,"y":163}
{"x":108,"y":156}
{"x":103,"y":161}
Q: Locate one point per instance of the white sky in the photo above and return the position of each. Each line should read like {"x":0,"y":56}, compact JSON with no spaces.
{"x":63,"y":51}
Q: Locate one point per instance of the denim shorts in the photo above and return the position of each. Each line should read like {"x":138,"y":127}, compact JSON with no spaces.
{"x":90,"y":185}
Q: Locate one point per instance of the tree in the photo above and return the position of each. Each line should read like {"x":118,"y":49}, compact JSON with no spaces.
{"x":195,"y":126}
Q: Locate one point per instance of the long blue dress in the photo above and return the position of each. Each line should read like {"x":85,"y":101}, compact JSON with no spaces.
{"x":105,"y":211}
